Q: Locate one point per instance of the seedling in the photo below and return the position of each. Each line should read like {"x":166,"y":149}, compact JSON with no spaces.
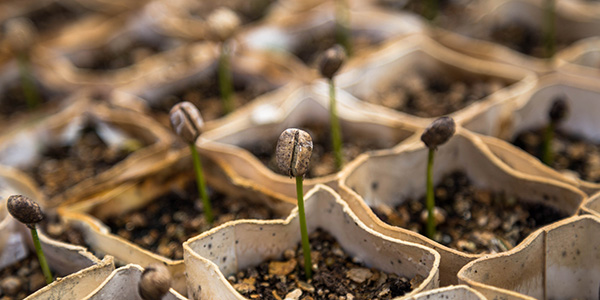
{"x":155,"y":282}
{"x":331,"y":61}
{"x":436,"y":134}
{"x":20,"y":34}
{"x":431,"y":9}
{"x":549,"y":28}
{"x":293,"y":152}
{"x":222,"y":24}
{"x":187,"y":123}
{"x":342,"y":21}
{"x":29,"y":213}
{"x":557,"y":113}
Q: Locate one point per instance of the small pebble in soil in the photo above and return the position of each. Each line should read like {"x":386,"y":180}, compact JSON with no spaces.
{"x":336,"y":276}
{"x":425,"y":96}
{"x":169,"y":220}
{"x":470,"y":219}
{"x":573,"y":155}
{"x":21,"y":279}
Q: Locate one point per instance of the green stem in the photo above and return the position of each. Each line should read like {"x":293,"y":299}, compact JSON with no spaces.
{"x":549,"y":29}
{"x":29,"y":90}
{"x":336,"y":132}
{"x":431,"y":10}
{"x":225,"y":80}
{"x":303,"y":230}
{"x":41,"y":256}
{"x":208,"y":215}
{"x":342,"y":28}
{"x":547,"y":154}
{"x":430,"y":200}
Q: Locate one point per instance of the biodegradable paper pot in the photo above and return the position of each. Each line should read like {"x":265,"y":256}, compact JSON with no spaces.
{"x":583,"y":58}
{"x":559,"y":261}
{"x":391,"y":177}
{"x":458,"y":292}
{"x":531,"y":111}
{"x":77,"y":285}
{"x":420,"y":53}
{"x":592,"y":205}
{"x":22,"y":146}
{"x":123,"y":283}
{"x":305,"y":106}
{"x":237,"y":245}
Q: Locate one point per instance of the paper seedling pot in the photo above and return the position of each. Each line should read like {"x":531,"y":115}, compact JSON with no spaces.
{"x":462,"y":292}
{"x":382,"y":179}
{"x":122,"y":283}
{"x":305,"y":106}
{"x":582,"y":58}
{"x":592,"y":205}
{"x":240,"y":244}
{"x":559,"y":261}
{"x":23,"y":146}
{"x":77,"y":285}
{"x":531,"y":111}
{"x":422,"y":54}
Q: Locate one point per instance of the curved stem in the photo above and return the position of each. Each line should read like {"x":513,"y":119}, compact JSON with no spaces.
{"x":303,"y":229}
{"x":41,"y":257}
{"x":336,"y":132}
{"x":430,"y":200}
{"x":208,"y":215}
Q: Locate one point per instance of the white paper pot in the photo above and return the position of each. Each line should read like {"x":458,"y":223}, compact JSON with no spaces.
{"x":461,"y":292}
{"x":237,"y":245}
{"x":581,"y":59}
{"x":383,"y":179}
{"x":559,"y":261}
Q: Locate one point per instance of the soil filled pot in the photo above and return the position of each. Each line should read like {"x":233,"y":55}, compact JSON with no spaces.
{"x":213,"y":256}
{"x":244,"y":147}
{"x":559,"y":261}
{"x":62,"y":152}
{"x":381,"y":192}
{"x":417,"y":79}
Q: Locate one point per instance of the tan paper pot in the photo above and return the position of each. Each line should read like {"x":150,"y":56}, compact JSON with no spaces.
{"x":531,"y":112}
{"x":418,"y":56}
{"x":559,"y":261}
{"x":123,"y":283}
{"x":592,"y":205}
{"x":77,"y":285}
{"x":306,"y":107}
{"x":462,"y":292}
{"x":240,"y":244}
{"x":146,"y":140}
{"x":390,"y":178}
{"x":583,"y":58}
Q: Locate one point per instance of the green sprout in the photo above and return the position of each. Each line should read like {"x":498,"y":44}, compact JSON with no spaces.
{"x":549,"y":28}
{"x":329,"y":64}
{"x":557,"y":113}
{"x":293,"y":152}
{"x":222,"y":24}
{"x":431,"y":9}
{"x":436,"y":134}
{"x":20,"y":34}
{"x":187,"y":122}
{"x":29,"y":213}
{"x":155,"y":282}
{"x":342,"y":26}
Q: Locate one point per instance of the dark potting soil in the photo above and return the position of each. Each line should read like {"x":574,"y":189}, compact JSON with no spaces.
{"x":432,"y":96}
{"x":120,"y":55}
{"x":337,"y":276}
{"x":52,"y":16}
{"x":319,"y":41}
{"x":56,"y":228}
{"x":570,"y":152}
{"x":206,"y":96}
{"x":524,"y":39}
{"x":21,"y":279}
{"x":247,"y":11}
{"x":322,"y":160}
{"x":13,"y":101}
{"x":450,"y":13}
{"x":164,"y":224}
{"x":61,"y":167}
{"x":470,"y":219}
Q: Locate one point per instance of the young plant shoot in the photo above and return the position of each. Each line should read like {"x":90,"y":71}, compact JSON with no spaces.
{"x":342,"y":28}
{"x":436,"y":134}
{"x":293,"y":152}
{"x":20,"y":34}
{"x":329,"y":64}
{"x":155,"y":282}
{"x":222,"y":24}
{"x":187,"y":123}
{"x":29,"y":213}
{"x":549,"y":28}
{"x":431,"y":9}
{"x":557,"y":113}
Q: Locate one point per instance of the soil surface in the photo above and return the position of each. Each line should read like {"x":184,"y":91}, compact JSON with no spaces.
{"x":50,"y":17}
{"x":470,"y":219}
{"x":21,"y":279}
{"x":206,"y":96}
{"x":56,"y":228}
{"x":120,"y":55}
{"x":319,"y":41}
{"x":163,"y":225}
{"x":322,"y":161}
{"x":61,"y":167}
{"x":337,"y":276}
{"x":572,"y":153}
{"x":13,"y":101}
{"x":524,"y":39}
{"x":428,"y":96}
